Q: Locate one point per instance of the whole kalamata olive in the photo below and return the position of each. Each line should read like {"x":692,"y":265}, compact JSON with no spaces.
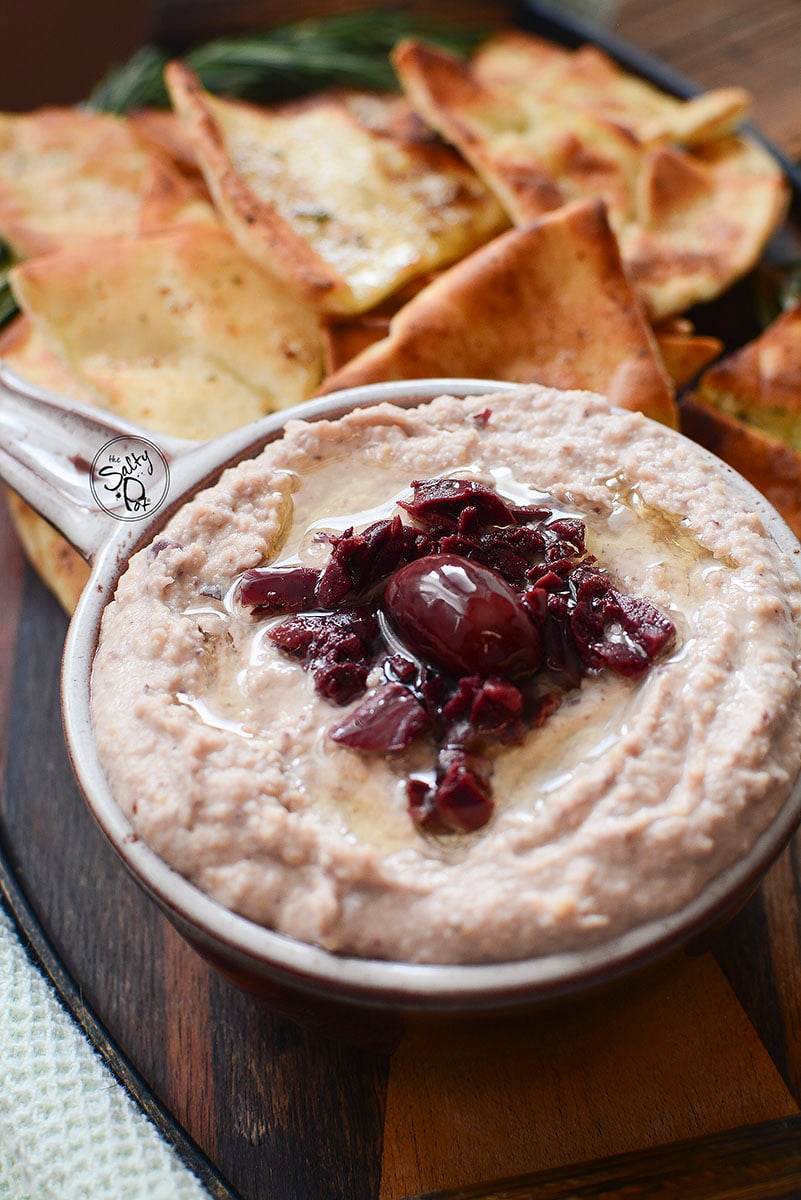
{"x":462,"y":617}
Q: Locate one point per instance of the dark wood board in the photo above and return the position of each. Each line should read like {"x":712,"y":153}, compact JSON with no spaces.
{"x":283,"y":1112}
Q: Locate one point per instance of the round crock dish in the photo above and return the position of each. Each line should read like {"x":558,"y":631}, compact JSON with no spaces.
{"x":257,"y":953}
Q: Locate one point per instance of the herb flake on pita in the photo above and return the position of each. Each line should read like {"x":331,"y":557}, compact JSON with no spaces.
{"x":332,"y":198}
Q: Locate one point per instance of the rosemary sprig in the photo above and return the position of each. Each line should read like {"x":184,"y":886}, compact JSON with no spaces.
{"x":290,"y":60}
{"x":135,"y":84}
{"x":8,"y":305}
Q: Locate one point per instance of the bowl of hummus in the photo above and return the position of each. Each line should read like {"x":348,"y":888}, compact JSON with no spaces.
{"x":444,"y":695}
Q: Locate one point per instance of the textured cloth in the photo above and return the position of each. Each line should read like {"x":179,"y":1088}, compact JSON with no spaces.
{"x":68,"y":1129}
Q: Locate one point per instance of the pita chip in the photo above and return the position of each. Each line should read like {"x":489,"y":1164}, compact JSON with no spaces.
{"x":760,"y":384}
{"x":747,"y":410}
{"x":690,"y":219}
{"x":535,"y":155}
{"x":548,"y":303}
{"x":684,"y":352}
{"x":588,"y":79}
{"x":162,"y":134}
{"x":702,"y":221}
{"x":171,"y":198}
{"x":178,"y":331}
{"x":325,"y":193}
{"x":67,"y":177}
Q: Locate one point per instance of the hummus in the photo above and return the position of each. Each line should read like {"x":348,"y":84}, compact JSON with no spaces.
{"x":618,"y":809}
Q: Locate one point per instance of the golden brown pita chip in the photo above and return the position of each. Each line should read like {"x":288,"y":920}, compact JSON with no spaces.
{"x":534,"y":156}
{"x":689,"y":221}
{"x":684,"y":352}
{"x":325,"y":194}
{"x":27,"y":353}
{"x":56,"y":563}
{"x":170,"y":198}
{"x":178,"y":331}
{"x":174,"y":191}
{"x":761,"y":383}
{"x":162,"y":134}
{"x":548,"y":303}
{"x":589,"y":80}
{"x":347,"y":336}
{"x":747,"y":410}
{"x":702,"y":221}
{"x":67,"y":177}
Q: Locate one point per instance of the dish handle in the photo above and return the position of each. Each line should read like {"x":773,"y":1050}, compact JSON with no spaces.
{"x":48,"y":445}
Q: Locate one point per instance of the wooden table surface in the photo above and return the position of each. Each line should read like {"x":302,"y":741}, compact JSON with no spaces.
{"x":701,"y":1044}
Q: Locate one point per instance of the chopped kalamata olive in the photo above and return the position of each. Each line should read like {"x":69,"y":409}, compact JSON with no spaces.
{"x":560,"y":653}
{"x":387,"y":720}
{"x":463,"y":800}
{"x":502,"y":612}
{"x":448,"y":497}
{"x":279,"y":589}
{"x":613,"y":630}
{"x":401,"y":670}
{"x":459,"y":802}
{"x":569,"y":529}
{"x":337,"y":648}
{"x":463,"y":618}
{"x":339,"y":682}
{"x":486,"y":707}
{"x":360,"y":560}
{"x":536,"y":601}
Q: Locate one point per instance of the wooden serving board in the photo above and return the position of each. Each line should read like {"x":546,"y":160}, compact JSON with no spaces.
{"x":698,"y":1045}
{"x":704,"y":1046}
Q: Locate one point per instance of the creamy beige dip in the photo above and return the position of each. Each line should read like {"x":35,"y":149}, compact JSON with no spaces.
{"x":620,"y":809}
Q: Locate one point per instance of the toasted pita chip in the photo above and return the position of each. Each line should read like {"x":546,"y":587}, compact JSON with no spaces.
{"x":760,"y":384}
{"x":322,"y":193}
{"x":61,"y":567}
{"x":534,"y":156}
{"x":702,"y":221}
{"x":347,"y":336}
{"x":162,"y":134}
{"x":547,"y":304}
{"x":56,"y":563}
{"x":747,"y":410}
{"x":690,"y":222}
{"x":27,"y":352}
{"x":67,"y":177}
{"x":170,"y":198}
{"x":179,"y":331}
{"x":588,"y":79}
{"x":773,"y":467}
{"x":685,"y":353}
